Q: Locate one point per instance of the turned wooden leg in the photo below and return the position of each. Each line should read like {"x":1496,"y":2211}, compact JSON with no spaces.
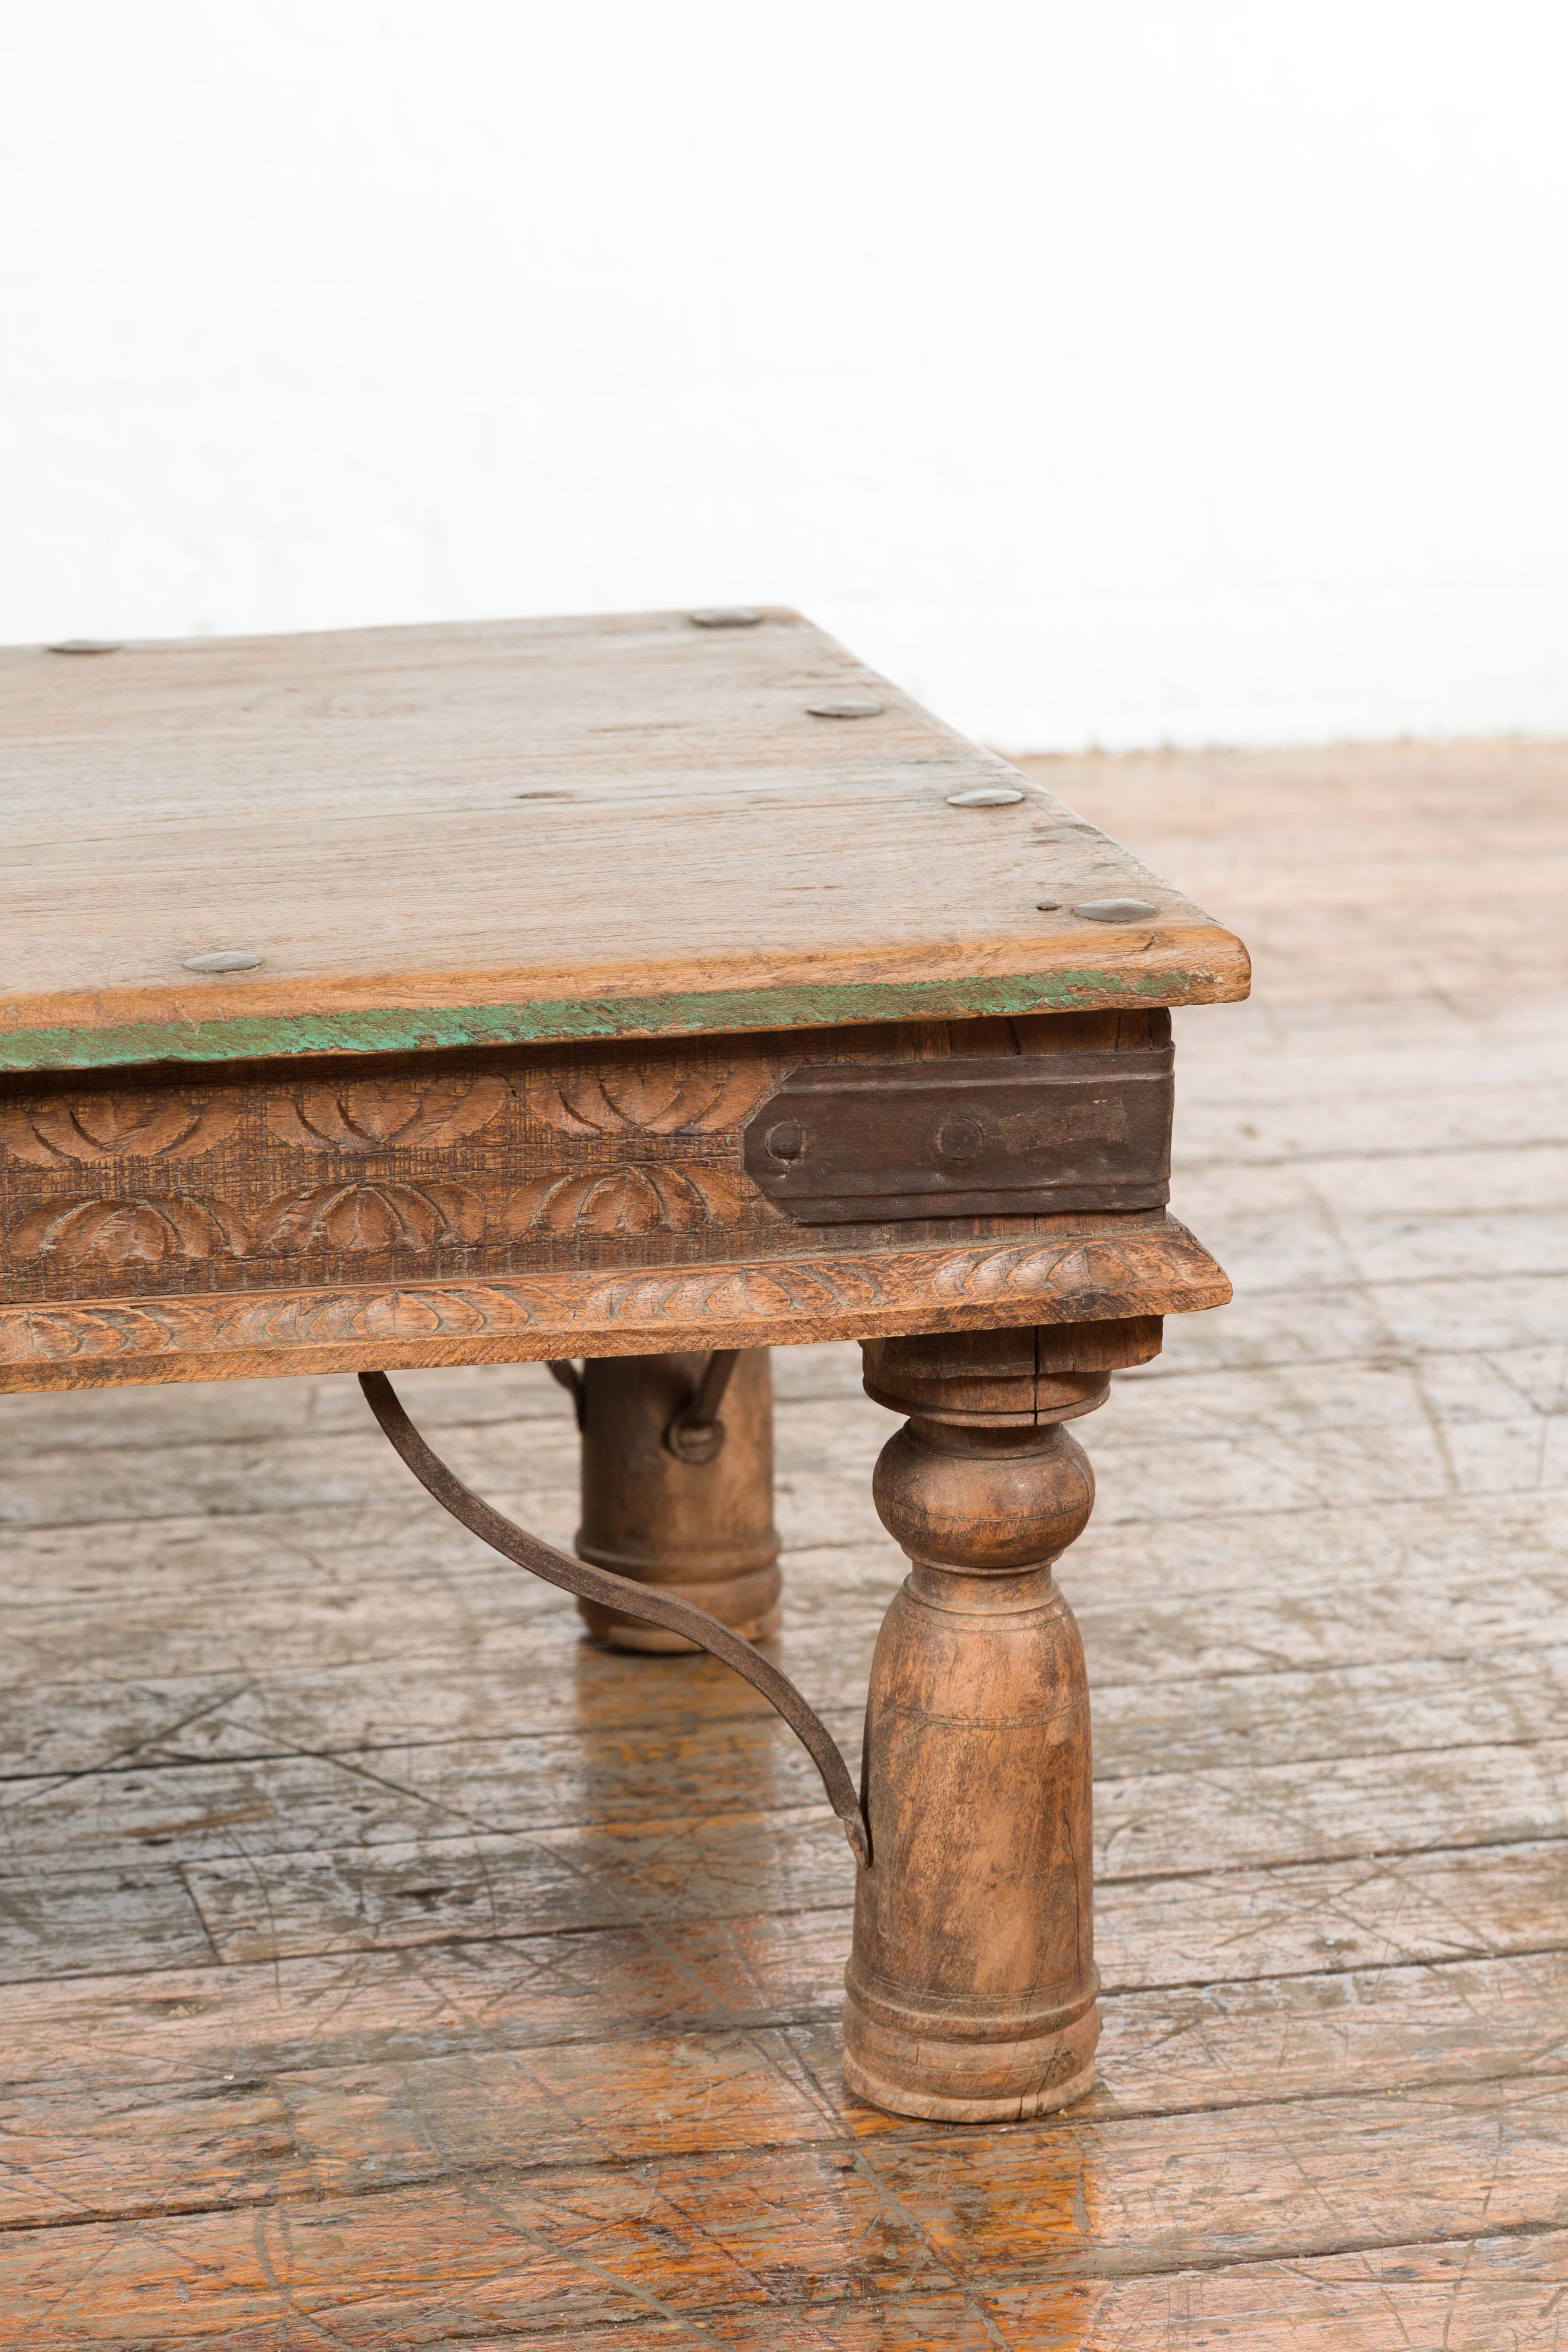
{"x":972,"y":1985}
{"x":702,"y":1529}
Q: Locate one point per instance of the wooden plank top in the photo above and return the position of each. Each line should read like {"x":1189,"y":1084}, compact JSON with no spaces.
{"x":505,"y":831}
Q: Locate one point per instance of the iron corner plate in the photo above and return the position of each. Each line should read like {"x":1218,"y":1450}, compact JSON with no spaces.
{"x":1012,"y":1134}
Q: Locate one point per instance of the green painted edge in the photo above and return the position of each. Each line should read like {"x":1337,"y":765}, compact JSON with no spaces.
{"x":400,"y":1030}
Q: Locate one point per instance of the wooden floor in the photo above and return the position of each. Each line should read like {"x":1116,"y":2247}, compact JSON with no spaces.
{"x":388,"y":1969}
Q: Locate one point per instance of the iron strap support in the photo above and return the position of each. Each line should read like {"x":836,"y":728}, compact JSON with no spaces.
{"x":696,"y":1433}
{"x":607,"y":1591}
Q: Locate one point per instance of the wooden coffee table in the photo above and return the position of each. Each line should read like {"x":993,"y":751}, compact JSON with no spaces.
{"x":594,"y":989}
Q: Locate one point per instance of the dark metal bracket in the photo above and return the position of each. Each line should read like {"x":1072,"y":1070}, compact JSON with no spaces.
{"x":696,"y":1433}
{"x":644,"y":1601}
{"x":1009,"y":1135}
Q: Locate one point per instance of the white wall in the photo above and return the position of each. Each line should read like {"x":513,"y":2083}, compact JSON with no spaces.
{"x":1110,"y":371}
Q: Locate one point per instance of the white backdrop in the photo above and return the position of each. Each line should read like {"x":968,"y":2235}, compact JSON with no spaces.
{"x":1151,"y":369}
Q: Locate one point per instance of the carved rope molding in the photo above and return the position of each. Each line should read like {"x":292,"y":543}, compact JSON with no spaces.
{"x":1160,"y":1272}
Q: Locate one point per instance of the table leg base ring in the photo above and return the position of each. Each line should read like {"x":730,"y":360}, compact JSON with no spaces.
{"x":969,"y":2082}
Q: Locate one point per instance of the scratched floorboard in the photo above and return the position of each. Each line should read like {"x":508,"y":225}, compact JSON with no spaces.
{"x":383,"y":1968}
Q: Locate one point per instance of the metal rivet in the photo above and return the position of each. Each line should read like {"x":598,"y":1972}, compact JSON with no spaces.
{"x":1116,"y":910}
{"x":1048,"y":906}
{"x":984,"y":796}
{"x":961,"y":1138}
{"x":845,"y":710}
{"x":225,"y":959}
{"x":726,"y":616}
{"x":787,"y":1139}
{"x":85,"y":645}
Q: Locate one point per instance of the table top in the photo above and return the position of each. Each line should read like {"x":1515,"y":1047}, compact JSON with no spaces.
{"x":629,"y":824}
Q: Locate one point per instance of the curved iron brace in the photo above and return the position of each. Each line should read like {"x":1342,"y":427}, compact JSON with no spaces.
{"x":611,"y":1591}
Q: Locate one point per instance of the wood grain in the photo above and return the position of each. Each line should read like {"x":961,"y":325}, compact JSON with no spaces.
{"x":1460,"y":2295}
{"x":677,"y":2236}
{"x":1205,"y":2046}
{"x":422,"y":2106}
{"x":414,"y":827}
{"x":1244,"y":1817}
{"x":544,"y":1682}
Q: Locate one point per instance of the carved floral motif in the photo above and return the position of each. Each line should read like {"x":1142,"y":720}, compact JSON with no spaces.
{"x":634,"y":1199}
{"x":349,"y":1220}
{"x":354,"y":1220}
{"x":657,"y":1100}
{"x":128,"y":1232}
{"x":380,"y":1114}
{"x":61,"y":1134}
{"x":353,"y":1114}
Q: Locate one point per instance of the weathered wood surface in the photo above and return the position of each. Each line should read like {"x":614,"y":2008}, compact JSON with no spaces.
{"x":506,"y":831}
{"x":386,"y":1968}
{"x":1245,"y":1817}
{"x":360,"y":1215}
